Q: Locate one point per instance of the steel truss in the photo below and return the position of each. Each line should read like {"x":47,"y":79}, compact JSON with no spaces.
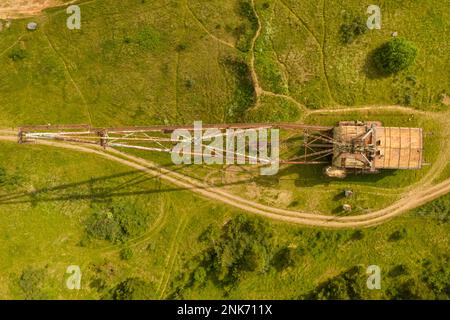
{"x":316,"y":144}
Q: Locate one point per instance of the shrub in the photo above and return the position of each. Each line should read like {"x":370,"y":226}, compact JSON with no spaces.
{"x":349,"y":284}
{"x":17,"y":54}
{"x":132,"y":221}
{"x":31,"y":281}
{"x":395,"y":55}
{"x":245,"y":31}
{"x":286,"y":257}
{"x":351,"y":30}
{"x":246,"y":11}
{"x":244,"y":92}
{"x":181,"y":47}
{"x":189,"y":84}
{"x":357,"y":235}
{"x":148,"y":38}
{"x":3,"y":176}
{"x":398,"y":235}
{"x":408,"y":99}
{"x":406,"y":290}
{"x":199,"y":276}
{"x":294,"y":204}
{"x":439,"y":209}
{"x":436,"y":276}
{"x":210,"y":234}
{"x":126,"y":254}
{"x":103,"y":226}
{"x":133,"y":289}
{"x":398,"y":270}
{"x":117,"y":223}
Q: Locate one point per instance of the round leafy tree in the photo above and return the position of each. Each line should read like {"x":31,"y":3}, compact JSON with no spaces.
{"x":395,"y":55}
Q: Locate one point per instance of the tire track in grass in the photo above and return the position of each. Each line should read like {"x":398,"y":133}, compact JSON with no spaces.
{"x":303,"y":22}
{"x":172,"y":265}
{"x":70,"y":77}
{"x":177,"y":98}
{"x":206,"y":29}
{"x":156,"y":226}
{"x":13,"y":45}
{"x":172,"y":256}
{"x":177,"y":75}
{"x":281,"y":63}
{"x":320,"y":43}
{"x":324,"y":64}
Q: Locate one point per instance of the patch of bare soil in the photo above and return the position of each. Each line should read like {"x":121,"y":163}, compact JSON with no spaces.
{"x":11,"y":9}
{"x":446,"y":100}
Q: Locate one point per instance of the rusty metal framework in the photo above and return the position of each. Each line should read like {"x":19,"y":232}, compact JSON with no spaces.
{"x":312,"y":144}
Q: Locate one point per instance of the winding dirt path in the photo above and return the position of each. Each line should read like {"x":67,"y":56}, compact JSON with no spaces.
{"x":409,"y":200}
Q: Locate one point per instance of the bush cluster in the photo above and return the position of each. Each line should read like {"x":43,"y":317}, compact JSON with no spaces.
{"x":117,"y":223}
{"x":349,"y":31}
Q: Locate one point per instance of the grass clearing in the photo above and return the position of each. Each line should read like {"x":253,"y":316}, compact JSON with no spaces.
{"x":163,"y":251}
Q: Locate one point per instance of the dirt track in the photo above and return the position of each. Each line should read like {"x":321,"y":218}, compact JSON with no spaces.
{"x":410,"y":200}
{"x":10,"y":9}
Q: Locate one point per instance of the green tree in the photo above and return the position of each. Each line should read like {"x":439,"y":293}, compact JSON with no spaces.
{"x":243,"y":247}
{"x":395,"y":55}
{"x":131,"y":220}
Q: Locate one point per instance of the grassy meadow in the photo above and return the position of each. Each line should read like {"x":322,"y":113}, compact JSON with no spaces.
{"x":45,"y":209}
{"x":141,"y":62}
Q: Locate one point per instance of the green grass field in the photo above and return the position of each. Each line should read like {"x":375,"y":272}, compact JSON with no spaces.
{"x":44,"y":216}
{"x":171,"y":62}
{"x":150,"y":62}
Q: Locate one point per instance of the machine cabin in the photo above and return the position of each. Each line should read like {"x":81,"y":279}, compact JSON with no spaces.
{"x":369,"y":146}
